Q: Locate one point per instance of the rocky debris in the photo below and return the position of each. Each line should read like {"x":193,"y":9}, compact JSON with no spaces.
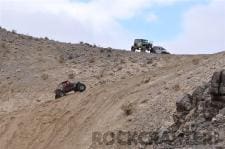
{"x":199,"y":120}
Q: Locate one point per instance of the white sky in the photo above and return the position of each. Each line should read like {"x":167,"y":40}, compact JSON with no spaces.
{"x":100,"y":22}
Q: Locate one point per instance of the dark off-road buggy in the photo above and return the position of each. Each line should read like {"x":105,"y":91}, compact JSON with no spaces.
{"x":68,"y":86}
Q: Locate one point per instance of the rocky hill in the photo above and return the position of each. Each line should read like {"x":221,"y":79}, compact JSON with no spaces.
{"x":125,"y":91}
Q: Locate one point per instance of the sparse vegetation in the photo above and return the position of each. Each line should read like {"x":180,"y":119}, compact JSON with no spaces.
{"x":30,"y":37}
{"x":146,"y":80}
{"x":176,"y":87}
{"x":119,"y":68}
{"x":133,"y":60}
{"x":109,"y":49}
{"x":14,"y":31}
{"x":92,"y":60}
{"x":127,"y":108}
{"x":102,"y":50}
{"x":44,"y":76}
{"x":149,"y":61}
{"x":61,"y":59}
{"x":101,"y":74}
{"x":3,"y":45}
{"x":70,"y":56}
{"x":122,"y":61}
{"x":196,"y":61}
{"x":71,"y":75}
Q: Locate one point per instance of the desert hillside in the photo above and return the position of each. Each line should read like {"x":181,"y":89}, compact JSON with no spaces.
{"x":125,"y":90}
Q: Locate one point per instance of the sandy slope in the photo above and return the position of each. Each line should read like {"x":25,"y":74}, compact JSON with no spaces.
{"x":31,"y":68}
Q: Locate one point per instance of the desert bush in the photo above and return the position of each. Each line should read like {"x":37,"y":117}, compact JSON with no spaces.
{"x":92,"y":60}
{"x":71,"y":76}
{"x":127,"y":108}
{"x":46,"y":38}
{"x":123,"y":77}
{"x":44,"y":76}
{"x":81,"y":42}
{"x":70,"y":56}
{"x":3,"y":45}
{"x":30,"y":37}
{"x":75,"y":62}
{"x":146,"y":80}
{"x":122,"y":61}
{"x":61,"y":59}
{"x":149,"y":61}
{"x":196,"y":61}
{"x":109,"y":49}
{"x":155,"y":64}
{"x":102,"y":50}
{"x":14,"y":31}
{"x":119,"y":68}
{"x":133,"y":60}
{"x":176,"y":87}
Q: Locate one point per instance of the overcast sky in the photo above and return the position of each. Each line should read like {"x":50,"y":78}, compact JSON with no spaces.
{"x":181,"y":26}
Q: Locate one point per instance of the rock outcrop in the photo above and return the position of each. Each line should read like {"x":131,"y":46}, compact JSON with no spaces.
{"x":199,"y":120}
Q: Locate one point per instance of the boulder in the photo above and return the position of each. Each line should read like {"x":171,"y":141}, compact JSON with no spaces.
{"x":199,"y":118}
{"x":217,"y":87}
{"x":184,"y":104}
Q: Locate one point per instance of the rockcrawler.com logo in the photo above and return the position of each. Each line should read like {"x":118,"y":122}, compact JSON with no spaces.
{"x":121,"y":138}
{"x":156,"y":138}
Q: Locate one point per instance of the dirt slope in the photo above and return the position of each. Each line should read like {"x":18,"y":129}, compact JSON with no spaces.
{"x":147,"y":84}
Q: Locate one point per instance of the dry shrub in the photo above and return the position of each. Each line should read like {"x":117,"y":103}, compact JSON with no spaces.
{"x":92,"y":60}
{"x":75,"y":62}
{"x":44,"y":76}
{"x":102,"y":50}
{"x":101,"y":73}
{"x":133,"y":60}
{"x":30,"y":37}
{"x":176,"y":87}
{"x":14,"y":31}
{"x":127,"y":108}
{"x":123,"y":77}
{"x":149,"y":61}
{"x":70,"y":56}
{"x":119,"y":68}
{"x":61,"y":59}
{"x":3,"y":45}
{"x":196,"y":61}
{"x":122,"y":61}
{"x":109,"y":49}
{"x":71,"y":76}
{"x":146,"y":80}
{"x":155,"y":64}
{"x":46,"y":38}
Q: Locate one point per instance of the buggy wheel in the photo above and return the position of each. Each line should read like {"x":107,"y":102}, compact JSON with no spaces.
{"x":59,"y":94}
{"x":81,"y":87}
{"x":132,"y":49}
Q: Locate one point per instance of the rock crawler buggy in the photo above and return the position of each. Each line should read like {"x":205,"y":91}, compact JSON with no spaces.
{"x":67,"y":86}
